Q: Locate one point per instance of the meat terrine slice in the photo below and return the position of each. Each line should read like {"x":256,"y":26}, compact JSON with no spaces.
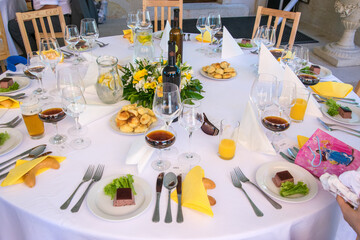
{"x":124,"y":197}
{"x":281,"y":177}
{"x":6,"y":82}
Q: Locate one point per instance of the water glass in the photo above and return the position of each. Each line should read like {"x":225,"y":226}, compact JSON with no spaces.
{"x":200,"y":25}
{"x":213,"y":25}
{"x":36,"y":67}
{"x":89,"y":30}
{"x":72,"y":36}
{"x":297,"y":112}
{"x":143,"y":19}
{"x":30,"y":108}
{"x":228,"y":137}
{"x":131,"y":21}
{"x":264,"y":91}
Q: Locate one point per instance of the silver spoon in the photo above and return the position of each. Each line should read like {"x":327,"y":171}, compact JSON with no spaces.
{"x":170,"y":182}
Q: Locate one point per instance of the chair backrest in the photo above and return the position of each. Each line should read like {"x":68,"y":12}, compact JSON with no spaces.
{"x":357,"y":88}
{"x":4,"y":48}
{"x":162,"y":4}
{"x":40,"y":15}
{"x":278,"y":14}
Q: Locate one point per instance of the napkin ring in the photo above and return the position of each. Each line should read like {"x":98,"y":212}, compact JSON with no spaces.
{"x":209,"y":128}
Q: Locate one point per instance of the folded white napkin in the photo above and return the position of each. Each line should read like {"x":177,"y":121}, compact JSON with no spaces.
{"x":251,"y":135}
{"x":139,"y":153}
{"x":336,"y":186}
{"x":351,"y":179}
{"x":165,"y":37}
{"x":312,"y":107}
{"x":268,"y":64}
{"x":230,"y":48}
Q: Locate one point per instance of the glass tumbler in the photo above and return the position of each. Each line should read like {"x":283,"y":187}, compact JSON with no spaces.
{"x":30,"y":109}
{"x":228,"y":137}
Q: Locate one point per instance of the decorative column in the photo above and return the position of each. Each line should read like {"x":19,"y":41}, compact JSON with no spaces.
{"x":344,"y":52}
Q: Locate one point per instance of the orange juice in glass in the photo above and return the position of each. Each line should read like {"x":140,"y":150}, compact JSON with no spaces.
{"x":297,"y":112}
{"x":228,"y":138}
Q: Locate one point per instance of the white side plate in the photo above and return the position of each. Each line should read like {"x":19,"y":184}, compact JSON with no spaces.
{"x":15,"y":139}
{"x":355,"y":116}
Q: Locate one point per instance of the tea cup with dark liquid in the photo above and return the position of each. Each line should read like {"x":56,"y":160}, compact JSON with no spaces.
{"x":309,"y":78}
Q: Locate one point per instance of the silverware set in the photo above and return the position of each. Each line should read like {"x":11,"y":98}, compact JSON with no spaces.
{"x":335,"y":127}
{"x":291,"y":154}
{"x":11,"y":124}
{"x":322,"y":99}
{"x":170,"y":181}
{"x":101,"y":44}
{"x":87,"y":177}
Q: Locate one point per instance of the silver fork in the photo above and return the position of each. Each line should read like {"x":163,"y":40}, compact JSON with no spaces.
{"x":335,"y":125}
{"x":97,"y":176}
{"x":89,"y":172}
{"x":16,"y":96}
{"x":11,"y":124}
{"x":244,"y":179}
{"x":237,"y":184}
{"x":101,"y":44}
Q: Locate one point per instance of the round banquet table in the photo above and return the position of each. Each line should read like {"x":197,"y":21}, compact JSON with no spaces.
{"x":34,"y":213}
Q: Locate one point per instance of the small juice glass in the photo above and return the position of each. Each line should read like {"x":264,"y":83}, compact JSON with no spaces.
{"x":228,"y":138}
{"x":297,"y":112}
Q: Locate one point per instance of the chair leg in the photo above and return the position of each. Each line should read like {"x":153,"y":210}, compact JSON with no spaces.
{"x":357,"y":89}
{"x":2,"y":64}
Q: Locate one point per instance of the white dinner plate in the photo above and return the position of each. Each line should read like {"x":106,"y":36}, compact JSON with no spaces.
{"x":101,"y":205}
{"x":247,"y":48}
{"x":116,"y":129}
{"x":267,"y":171}
{"x":23,"y":82}
{"x":217,"y":79}
{"x":355,"y":116}
{"x":324,"y":72}
{"x":69,"y":48}
{"x":157,"y":35}
{"x":15,"y":139}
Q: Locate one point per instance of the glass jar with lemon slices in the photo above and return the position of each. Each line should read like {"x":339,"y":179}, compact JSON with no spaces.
{"x":143,"y":44}
{"x":109,"y":87}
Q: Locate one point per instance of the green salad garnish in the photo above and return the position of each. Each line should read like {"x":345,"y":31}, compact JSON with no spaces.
{"x":13,"y":87}
{"x":245,"y":45}
{"x":121,"y":182}
{"x":3,"y":137}
{"x":333,"y":107}
{"x":289,"y":188}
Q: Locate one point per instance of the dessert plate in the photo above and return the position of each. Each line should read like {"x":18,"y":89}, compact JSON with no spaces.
{"x":324,"y":72}
{"x":217,"y":79}
{"x":101,"y":205}
{"x":246,"y":48}
{"x":15,"y":139}
{"x":116,"y":129}
{"x":267,"y":171}
{"x":355,"y":117}
{"x":23,"y":82}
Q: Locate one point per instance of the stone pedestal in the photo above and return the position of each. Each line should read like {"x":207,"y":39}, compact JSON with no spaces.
{"x":344,"y":52}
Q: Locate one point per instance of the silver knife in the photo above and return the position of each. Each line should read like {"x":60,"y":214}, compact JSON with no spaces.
{"x":159,"y":184}
{"x":20,"y":155}
{"x":15,"y":75}
{"x":327,"y":127}
{"x":179,"y":217}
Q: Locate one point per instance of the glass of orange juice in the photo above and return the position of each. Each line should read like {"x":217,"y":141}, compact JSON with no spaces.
{"x":297,"y":112}
{"x":228,"y":138}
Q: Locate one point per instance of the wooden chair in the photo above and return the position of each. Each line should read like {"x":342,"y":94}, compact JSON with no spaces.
{"x":4,"y":48}
{"x":41,"y":15}
{"x":278,"y":14}
{"x":162,"y":4}
{"x":357,"y":88}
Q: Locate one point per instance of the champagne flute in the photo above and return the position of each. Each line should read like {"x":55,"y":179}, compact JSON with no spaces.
{"x":191,"y":118}
{"x":74,"y":104}
{"x":213,"y":25}
{"x":72,"y":36}
{"x":143,"y":19}
{"x":35,"y":66}
{"x":131,"y":23}
{"x":89,"y":30}
{"x":53,"y":113}
{"x":200,"y":25}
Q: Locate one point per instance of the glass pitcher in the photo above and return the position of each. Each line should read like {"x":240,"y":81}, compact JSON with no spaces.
{"x":143,"y":44}
{"x":108,"y":86}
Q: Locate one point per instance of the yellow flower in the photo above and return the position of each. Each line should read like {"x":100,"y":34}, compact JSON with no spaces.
{"x":147,"y":85}
{"x":165,"y":62}
{"x":188,"y":76}
{"x":160,"y":79}
{"x":139,"y":75}
{"x":153,"y":85}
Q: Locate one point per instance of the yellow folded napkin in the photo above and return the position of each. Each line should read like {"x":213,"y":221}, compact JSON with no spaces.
{"x":207,"y":37}
{"x":332,"y":89}
{"x":23,"y":166}
{"x":128,"y":34}
{"x":194,"y":194}
{"x":6,"y":102}
{"x":302,"y":140}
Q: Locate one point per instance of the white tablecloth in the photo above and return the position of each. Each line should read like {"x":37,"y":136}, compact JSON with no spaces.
{"x":35,"y":213}
{"x":8,"y":10}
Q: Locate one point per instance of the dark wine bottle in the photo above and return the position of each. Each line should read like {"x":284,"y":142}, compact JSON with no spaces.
{"x":171,"y":73}
{"x":176,"y":35}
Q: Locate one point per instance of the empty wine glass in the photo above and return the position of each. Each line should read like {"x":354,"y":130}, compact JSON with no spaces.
{"x":191,"y":118}
{"x":293,"y":57}
{"x":200,"y":25}
{"x":50,"y":52}
{"x":72,"y":37}
{"x":35,"y":66}
{"x":74,"y":104}
{"x":213,"y":25}
{"x":143,"y":19}
{"x":286,"y":95}
{"x":89,"y":30}
{"x":272,"y":36}
{"x":261,"y":36}
{"x":69,"y":76}
{"x":264,"y":91}
{"x":131,"y":23}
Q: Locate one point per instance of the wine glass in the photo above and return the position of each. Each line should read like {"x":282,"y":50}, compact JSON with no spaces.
{"x":72,"y":37}
{"x":74,"y":104}
{"x":271,"y":36}
{"x":131,"y":23}
{"x":89,"y":30}
{"x":200,"y":25}
{"x":35,"y":66}
{"x":264,"y":91}
{"x":69,"y":76}
{"x":50,"y":52}
{"x":143,"y":19}
{"x":213,"y":25}
{"x":53,"y":113}
{"x":261,"y":36}
{"x":293,"y":57}
{"x":191,"y":118}
{"x":286,"y":95}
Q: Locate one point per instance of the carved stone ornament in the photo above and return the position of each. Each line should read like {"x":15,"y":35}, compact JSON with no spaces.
{"x":345,"y":10}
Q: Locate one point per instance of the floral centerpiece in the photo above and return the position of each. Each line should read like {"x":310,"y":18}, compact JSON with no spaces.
{"x":140,"y":81}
